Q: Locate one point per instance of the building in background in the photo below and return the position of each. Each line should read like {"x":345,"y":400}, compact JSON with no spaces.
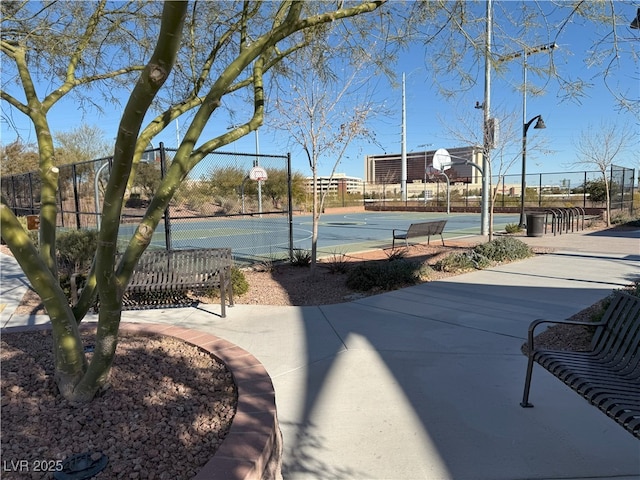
{"x":339,"y":184}
{"x":384,"y":171}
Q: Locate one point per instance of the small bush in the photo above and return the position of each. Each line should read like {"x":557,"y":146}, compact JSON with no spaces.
{"x":513,"y":228}
{"x":383,"y":275}
{"x":396,"y":254}
{"x":460,"y":262}
{"x":301,"y":257}
{"x":504,"y":249}
{"x":338,"y":263}
{"x":239,"y":282}
{"x":266,"y":265}
{"x":624,"y":219}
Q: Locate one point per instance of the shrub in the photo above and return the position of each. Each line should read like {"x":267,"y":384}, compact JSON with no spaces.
{"x":338,"y":263}
{"x":301,"y":257}
{"x":76,"y":249}
{"x":504,"y":249}
{"x":239,"y":281}
{"x":625,"y":219}
{"x":460,"y":262}
{"x":513,"y":228}
{"x":396,"y":254}
{"x":383,"y":275}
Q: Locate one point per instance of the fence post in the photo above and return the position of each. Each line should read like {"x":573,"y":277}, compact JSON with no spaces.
{"x":76,"y":197}
{"x":539,"y":191}
{"x":167,"y":216}
{"x":32,"y":204}
{"x":290,"y":208}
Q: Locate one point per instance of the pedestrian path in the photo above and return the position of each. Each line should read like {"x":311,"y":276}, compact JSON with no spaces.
{"x":425,"y":382}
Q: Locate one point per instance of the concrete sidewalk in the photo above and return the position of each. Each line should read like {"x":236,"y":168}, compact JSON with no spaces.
{"x":425,"y":382}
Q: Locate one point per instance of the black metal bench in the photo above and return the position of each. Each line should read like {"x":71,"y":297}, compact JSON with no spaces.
{"x":163,"y":278}
{"x":424,"y":229}
{"x":608,"y":376}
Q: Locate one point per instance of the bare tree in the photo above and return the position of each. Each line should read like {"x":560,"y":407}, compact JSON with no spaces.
{"x":82,"y":144}
{"x":324,"y":114}
{"x":598,"y":147}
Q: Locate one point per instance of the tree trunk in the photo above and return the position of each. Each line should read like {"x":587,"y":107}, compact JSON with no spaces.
{"x":314,"y":230}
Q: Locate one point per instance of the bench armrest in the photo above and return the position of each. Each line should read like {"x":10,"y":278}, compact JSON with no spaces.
{"x":535,"y":323}
{"x":399,"y":230}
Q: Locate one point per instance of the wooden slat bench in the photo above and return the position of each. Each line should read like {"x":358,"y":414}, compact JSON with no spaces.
{"x":424,"y":229}
{"x":163,"y":278}
{"x":608,"y":376}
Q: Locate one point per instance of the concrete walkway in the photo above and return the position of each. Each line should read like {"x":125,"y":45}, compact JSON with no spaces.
{"x":425,"y":382}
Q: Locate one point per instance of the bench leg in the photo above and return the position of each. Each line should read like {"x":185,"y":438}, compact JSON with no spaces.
{"x":223,"y":292}
{"x":442,"y":238}
{"x":527,"y":385}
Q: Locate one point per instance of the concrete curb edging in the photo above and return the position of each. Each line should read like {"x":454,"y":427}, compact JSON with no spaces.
{"x":252,"y":449}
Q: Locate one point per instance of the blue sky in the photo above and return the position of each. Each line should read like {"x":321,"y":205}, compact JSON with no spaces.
{"x":429,"y":116}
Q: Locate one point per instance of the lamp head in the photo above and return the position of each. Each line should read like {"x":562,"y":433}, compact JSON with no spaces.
{"x":635,"y":23}
{"x":540,"y":123}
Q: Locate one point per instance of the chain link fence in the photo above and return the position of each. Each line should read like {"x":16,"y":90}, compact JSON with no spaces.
{"x":235,"y":200}
{"x":621,"y":188}
{"x":246,"y":201}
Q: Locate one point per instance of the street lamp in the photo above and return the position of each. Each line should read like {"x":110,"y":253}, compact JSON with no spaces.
{"x":523,"y":186}
{"x":540,"y":124}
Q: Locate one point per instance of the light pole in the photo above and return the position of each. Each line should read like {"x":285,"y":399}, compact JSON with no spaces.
{"x":425,"y":145}
{"x":525,"y":125}
{"x":486,"y":114}
{"x":523,"y":186}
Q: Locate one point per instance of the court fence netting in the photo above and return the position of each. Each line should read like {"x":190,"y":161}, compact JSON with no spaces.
{"x":241,"y":201}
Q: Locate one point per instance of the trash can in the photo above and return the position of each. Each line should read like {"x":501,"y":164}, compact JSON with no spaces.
{"x":535,"y":224}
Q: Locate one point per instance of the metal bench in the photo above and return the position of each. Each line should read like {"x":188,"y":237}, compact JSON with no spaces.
{"x":608,"y":376}
{"x":424,"y":229}
{"x":163,"y":278}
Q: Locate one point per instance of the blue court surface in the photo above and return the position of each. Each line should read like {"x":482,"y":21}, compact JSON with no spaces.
{"x":255,"y":237}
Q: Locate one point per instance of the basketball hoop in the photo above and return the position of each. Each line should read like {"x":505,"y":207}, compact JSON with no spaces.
{"x":441,"y":160}
{"x":258,"y":174}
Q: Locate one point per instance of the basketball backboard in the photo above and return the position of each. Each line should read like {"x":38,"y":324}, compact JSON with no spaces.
{"x":441,"y":159}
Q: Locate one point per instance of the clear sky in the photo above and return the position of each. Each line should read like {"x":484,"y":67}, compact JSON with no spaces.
{"x":430,"y":117}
